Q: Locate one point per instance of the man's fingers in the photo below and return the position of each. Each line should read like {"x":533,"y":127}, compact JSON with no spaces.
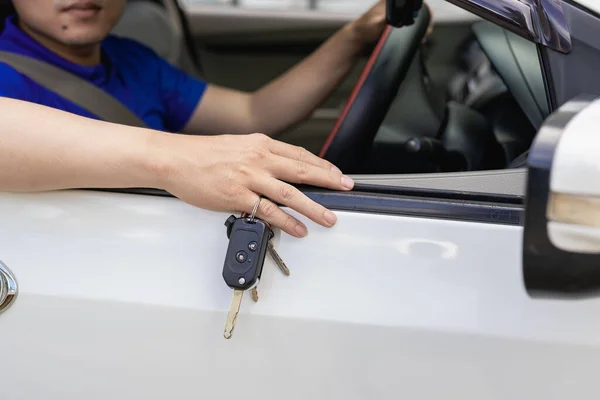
{"x":264,"y":175}
{"x":300,"y":154}
{"x":271,"y":213}
{"x":298,"y":171}
{"x":293,"y":198}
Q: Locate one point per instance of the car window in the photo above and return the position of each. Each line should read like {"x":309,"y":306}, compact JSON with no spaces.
{"x":474,"y":70}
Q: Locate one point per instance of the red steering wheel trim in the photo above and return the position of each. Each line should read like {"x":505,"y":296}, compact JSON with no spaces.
{"x":359,"y":83}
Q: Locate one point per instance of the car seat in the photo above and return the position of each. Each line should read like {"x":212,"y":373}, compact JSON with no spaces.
{"x":160,"y":25}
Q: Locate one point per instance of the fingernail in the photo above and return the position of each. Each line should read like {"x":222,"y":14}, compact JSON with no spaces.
{"x":330,"y":218}
{"x":336,"y":169}
{"x":300,"y":230}
{"x":347,"y":182}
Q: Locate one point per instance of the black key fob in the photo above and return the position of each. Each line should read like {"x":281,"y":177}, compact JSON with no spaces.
{"x":248,"y":240}
{"x":400,"y":13}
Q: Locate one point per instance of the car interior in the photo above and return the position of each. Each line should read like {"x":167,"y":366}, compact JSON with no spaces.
{"x":454,"y":111}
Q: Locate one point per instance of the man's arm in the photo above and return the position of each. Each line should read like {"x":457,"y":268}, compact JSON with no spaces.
{"x":222,"y":172}
{"x":296,"y":94}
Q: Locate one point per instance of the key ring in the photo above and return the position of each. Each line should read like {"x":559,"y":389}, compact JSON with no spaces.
{"x":255,"y":209}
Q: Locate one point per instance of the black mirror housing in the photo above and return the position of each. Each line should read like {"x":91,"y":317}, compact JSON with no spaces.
{"x":549,"y":271}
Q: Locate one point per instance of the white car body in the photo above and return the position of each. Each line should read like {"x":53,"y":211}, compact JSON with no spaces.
{"x":592,"y":5}
{"x":121,"y":297}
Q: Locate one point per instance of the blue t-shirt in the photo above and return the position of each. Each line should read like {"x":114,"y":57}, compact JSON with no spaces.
{"x":161,"y":95}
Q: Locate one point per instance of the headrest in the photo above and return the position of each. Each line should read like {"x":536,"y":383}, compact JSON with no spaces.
{"x":148,"y":23}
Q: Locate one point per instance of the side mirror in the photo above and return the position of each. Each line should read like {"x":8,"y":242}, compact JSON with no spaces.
{"x":561,"y":243}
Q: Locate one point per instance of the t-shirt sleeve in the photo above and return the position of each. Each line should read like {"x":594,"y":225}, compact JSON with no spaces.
{"x":14,"y":85}
{"x":178,"y":92}
{"x":181,"y":93}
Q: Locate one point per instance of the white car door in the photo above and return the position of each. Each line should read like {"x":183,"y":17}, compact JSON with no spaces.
{"x":415,"y":293}
{"x":121,"y":296}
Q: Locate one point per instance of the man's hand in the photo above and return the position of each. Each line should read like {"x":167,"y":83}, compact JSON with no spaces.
{"x":369,"y":27}
{"x":230,"y":172}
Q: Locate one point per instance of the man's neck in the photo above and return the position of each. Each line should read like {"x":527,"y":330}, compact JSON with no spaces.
{"x":82,"y":55}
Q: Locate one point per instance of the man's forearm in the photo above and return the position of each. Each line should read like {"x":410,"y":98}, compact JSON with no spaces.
{"x":283,"y":102}
{"x":297,"y":93}
{"x":45,"y":149}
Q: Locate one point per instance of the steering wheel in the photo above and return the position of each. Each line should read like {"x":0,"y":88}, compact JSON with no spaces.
{"x":350,"y":142}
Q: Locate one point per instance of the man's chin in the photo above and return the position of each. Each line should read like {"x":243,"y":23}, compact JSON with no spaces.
{"x":83,"y":39}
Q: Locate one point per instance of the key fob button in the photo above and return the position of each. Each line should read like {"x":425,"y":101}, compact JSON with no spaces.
{"x":252,"y":246}
{"x":241,"y":256}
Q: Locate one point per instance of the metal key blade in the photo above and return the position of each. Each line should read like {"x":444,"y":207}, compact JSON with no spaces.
{"x":273,"y":253}
{"x":234,"y":309}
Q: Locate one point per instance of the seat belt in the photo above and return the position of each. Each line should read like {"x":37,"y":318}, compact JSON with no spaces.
{"x":73,"y":88}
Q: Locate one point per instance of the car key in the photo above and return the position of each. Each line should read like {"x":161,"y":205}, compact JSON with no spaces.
{"x":276,"y":258}
{"x":254,"y":294}
{"x":234,"y":309}
{"x":244,"y":261}
{"x":278,"y":261}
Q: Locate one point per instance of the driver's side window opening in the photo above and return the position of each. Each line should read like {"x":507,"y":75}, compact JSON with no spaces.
{"x":463,"y":103}
{"x":462,"y":107}
{"x":468,"y":101}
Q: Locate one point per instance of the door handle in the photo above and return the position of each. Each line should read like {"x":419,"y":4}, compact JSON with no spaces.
{"x":8,"y":288}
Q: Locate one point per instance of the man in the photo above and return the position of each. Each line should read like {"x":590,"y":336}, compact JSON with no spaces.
{"x":61,"y":150}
